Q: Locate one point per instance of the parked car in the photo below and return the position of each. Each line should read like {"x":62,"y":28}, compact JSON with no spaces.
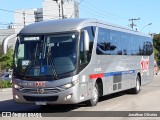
{"x":155,"y":68}
{"x":6,"y":76}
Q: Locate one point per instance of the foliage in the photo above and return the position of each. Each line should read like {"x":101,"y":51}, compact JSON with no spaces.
{"x":156,"y":43}
{"x":5,"y":84}
{"x":6,"y":60}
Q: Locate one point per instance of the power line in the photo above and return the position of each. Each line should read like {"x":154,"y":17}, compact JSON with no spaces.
{"x":14,"y":12}
{"x":12,"y":23}
{"x":104,"y":12}
{"x":77,"y":7}
{"x":20,"y":12}
{"x":93,"y":13}
{"x":98,"y":13}
{"x":25,"y":13}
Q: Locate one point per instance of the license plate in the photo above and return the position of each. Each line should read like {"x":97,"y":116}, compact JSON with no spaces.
{"x":41,"y":103}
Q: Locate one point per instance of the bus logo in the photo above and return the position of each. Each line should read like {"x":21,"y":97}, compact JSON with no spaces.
{"x":144,"y":65}
{"x":39,"y":84}
{"x":40,"y":91}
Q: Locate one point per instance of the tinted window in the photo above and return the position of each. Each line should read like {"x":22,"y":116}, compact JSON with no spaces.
{"x":104,"y":44}
{"x":85,"y":56}
{"x":7,"y":75}
{"x":140,"y":44}
{"x":115,"y":43}
{"x":112,"y":42}
{"x":134,"y":45}
{"x":149,"y":47}
{"x":91,"y":32}
{"x":126,"y":44}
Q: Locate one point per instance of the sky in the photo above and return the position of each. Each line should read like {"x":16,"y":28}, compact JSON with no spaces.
{"x":113,"y":11}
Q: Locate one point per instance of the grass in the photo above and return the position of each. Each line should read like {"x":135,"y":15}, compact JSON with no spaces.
{"x":5,"y":84}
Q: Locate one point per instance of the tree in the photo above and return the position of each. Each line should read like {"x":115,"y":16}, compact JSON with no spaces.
{"x":6,"y":60}
{"x":156,"y":44}
{"x":1,"y":49}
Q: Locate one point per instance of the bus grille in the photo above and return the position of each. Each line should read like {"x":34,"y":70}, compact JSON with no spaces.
{"x":46,"y":98}
{"x":45,"y":90}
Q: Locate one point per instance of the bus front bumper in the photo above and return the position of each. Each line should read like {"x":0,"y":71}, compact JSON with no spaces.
{"x":68,"y":96}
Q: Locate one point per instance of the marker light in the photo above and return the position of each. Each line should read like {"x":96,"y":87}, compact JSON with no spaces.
{"x":68,"y":97}
{"x":16,"y":96}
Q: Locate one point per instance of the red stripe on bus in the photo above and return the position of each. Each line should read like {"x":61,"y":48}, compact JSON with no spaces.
{"x":94,"y":76}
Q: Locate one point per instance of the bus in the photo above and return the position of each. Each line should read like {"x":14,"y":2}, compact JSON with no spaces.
{"x":71,"y":61}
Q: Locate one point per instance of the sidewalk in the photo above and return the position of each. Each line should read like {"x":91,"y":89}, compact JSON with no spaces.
{"x":5,"y":89}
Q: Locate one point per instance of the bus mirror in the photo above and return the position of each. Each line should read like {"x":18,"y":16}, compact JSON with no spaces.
{"x":86,"y":40}
{"x":5,"y":45}
{"x":5,"y":42}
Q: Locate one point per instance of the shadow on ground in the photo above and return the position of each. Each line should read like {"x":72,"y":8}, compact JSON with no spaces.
{"x":11,"y":106}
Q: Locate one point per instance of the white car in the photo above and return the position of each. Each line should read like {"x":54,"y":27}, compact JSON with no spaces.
{"x":6,"y":76}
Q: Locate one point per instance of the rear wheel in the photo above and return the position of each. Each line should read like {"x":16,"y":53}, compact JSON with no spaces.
{"x":136,"y":90}
{"x":95,"y":96}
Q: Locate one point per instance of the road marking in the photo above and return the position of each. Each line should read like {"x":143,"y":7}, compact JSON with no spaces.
{"x":113,"y":106}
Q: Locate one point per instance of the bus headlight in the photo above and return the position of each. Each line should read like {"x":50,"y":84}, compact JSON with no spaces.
{"x":16,"y":86}
{"x":69,"y":85}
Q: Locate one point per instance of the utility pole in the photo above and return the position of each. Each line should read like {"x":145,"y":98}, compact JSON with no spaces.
{"x":61,"y":11}
{"x":24,"y":19}
{"x":133,"y":20}
{"x":62,"y":3}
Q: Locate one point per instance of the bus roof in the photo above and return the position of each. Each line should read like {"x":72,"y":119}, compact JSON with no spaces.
{"x":64,"y":25}
{"x":52,"y":26}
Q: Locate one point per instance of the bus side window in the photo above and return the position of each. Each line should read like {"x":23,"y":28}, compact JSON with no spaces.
{"x":83,"y":53}
{"x":82,"y":59}
{"x":125,"y":43}
{"x":85,"y":56}
{"x":115,"y":42}
{"x":103,"y":43}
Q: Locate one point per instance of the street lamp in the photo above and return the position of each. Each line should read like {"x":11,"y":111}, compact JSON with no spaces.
{"x":146,"y":26}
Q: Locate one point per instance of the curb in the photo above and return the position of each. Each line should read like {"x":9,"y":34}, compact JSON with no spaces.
{"x":5,"y":89}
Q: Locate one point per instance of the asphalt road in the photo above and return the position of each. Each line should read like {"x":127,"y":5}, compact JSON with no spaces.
{"x":113,"y":105}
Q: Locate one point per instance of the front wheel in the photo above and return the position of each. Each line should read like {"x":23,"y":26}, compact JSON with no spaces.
{"x":136,"y":90}
{"x":95,"y":96}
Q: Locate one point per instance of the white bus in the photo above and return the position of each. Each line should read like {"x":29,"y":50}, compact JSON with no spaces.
{"x":75,"y":60}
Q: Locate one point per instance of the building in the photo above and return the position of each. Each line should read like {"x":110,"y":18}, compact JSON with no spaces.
{"x":51,"y":9}
{"x":60,"y":9}
{"x":26,"y":17}
{"x":71,"y":9}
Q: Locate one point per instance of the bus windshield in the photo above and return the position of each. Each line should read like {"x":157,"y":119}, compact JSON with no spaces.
{"x":50,"y":55}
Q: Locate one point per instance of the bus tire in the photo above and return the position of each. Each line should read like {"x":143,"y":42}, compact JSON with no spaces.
{"x":136,"y":90}
{"x":95,"y":96}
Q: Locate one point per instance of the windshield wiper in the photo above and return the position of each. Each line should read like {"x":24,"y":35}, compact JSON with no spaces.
{"x":49,"y":59}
